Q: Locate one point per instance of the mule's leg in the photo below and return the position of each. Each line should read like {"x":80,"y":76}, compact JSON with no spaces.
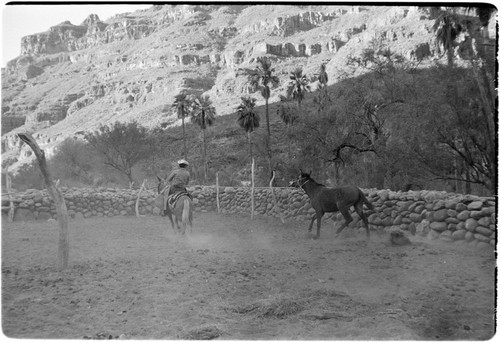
{"x":183,"y":227}
{"x":171,"y":220}
{"x":312,"y":222}
{"x":166,"y":208}
{"x":167,"y":212}
{"x":359,"y":209}
{"x":180,"y":226}
{"x":347,"y":217}
{"x":190,"y":220}
{"x":190,"y":225}
{"x":319,"y":215}
{"x":186,"y":216}
{"x":176,"y":225}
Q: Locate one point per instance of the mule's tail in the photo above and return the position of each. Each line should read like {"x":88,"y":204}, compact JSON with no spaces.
{"x":186,"y":212}
{"x":364,"y":200}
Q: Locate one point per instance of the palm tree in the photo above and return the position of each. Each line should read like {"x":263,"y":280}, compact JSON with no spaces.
{"x":288,"y":114}
{"x":298,"y":86}
{"x":447,"y":27}
{"x":322,"y":97}
{"x":449,"y":23}
{"x":323,"y":77}
{"x":285,"y":112}
{"x":203,"y":114}
{"x":248,"y":118}
{"x":182,"y":105}
{"x":323,"y":81}
{"x":263,"y":77}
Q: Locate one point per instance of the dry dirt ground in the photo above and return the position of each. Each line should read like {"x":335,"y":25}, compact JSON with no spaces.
{"x":234,"y":278}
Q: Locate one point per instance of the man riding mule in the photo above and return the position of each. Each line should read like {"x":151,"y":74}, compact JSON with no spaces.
{"x":178,"y":179}
{"x":173,"y":198}
{"x":326,"y":200}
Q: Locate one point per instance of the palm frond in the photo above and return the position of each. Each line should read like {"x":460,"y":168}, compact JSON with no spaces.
{"x":203,"y":113}
{"x":182,"y":105}
{"x":248,"y":119}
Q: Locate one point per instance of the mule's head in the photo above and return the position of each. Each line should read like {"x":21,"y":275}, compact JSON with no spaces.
{"x":301,"y":180}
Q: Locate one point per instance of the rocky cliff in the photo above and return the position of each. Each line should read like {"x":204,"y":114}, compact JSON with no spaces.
{"x":72,"y":78}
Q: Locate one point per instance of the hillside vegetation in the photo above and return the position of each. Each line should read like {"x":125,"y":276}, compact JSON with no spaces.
{"x":400,"y":109}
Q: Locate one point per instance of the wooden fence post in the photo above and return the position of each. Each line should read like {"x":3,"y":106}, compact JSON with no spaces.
{"x":217,"y":191}
{"x":56,"y":194}
{"x":12,"y":209}
{"x":274,"y":198}
{"x":139,"y":199}
{"x":253,"y":189}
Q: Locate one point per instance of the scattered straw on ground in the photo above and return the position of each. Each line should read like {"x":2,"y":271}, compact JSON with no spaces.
{"x":205,"y":333}
{"x":279,"y":306}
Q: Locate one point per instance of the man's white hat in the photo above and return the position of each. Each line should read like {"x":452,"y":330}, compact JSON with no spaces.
{"x":182,"y":161}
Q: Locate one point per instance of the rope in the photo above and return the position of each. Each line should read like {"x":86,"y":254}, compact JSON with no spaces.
{"x":165,"y":188}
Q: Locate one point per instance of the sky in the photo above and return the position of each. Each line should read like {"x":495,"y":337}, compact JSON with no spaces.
{"x":22,"y":20}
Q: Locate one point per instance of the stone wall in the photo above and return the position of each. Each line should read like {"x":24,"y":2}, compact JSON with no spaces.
{"x":442,"y":215}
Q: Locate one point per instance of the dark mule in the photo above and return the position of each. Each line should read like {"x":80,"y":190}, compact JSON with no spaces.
{"x":181,"y":211}
{"x":327,"y":200}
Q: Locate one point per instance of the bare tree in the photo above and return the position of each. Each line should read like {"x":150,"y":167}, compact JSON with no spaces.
{"x":55,"y":193}
{"x":123,"y":145}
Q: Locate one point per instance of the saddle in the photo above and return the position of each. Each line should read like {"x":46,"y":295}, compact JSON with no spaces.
{"x":172,"y":199}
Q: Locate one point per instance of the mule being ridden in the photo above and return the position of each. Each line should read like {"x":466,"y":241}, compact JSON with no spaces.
{"x":181,"y":210}
{"x":326,"y":200}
